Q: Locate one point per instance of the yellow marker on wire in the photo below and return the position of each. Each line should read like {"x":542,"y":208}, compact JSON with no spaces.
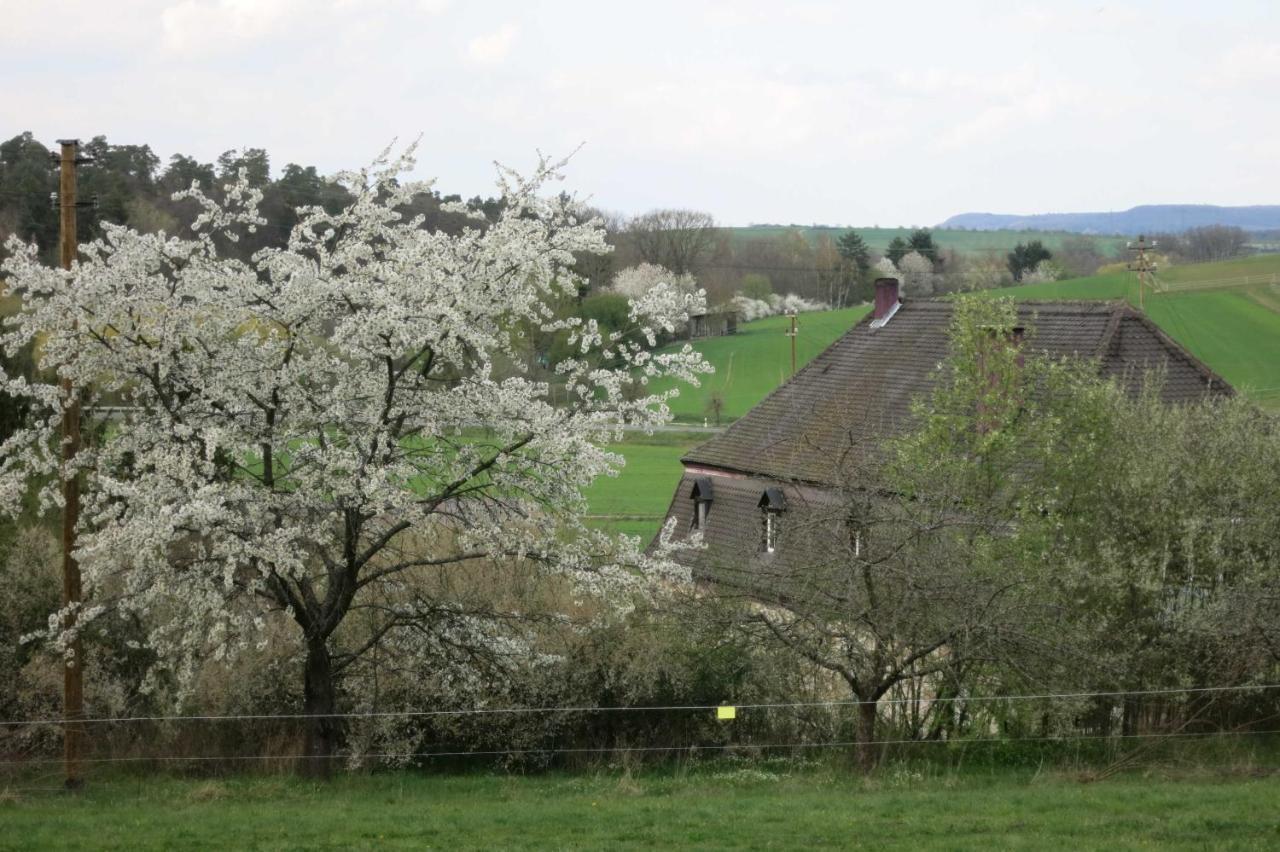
{"x":725,"y":713}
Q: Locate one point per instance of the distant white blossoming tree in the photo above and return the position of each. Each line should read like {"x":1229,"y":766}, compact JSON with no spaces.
{"x":885,"y":269}
{"x":918,"y":277}
{"x":635,"y":282}
{"x":308,"y":432}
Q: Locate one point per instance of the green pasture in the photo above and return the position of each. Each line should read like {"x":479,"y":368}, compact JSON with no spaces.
{"x":965,"y":242}
{"x":761,"y":805}
{"x":756,"y":360}
{"x":635,"y":501}
{"x":1232,"y":324}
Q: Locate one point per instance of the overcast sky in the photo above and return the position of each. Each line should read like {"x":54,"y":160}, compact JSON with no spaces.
{"x":841,"y":113}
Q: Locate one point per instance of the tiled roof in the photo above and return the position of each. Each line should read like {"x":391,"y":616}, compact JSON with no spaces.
{"x":862,"y":386}
{"x":733,"y":533}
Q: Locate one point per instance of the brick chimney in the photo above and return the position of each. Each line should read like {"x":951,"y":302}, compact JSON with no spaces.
{"x":886,"y":303}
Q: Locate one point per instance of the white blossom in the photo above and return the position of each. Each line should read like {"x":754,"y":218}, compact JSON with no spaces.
{"x":290,"y":420}
{"x":1044,"y":272}
{"x":918,"y":277}
{"x":635,"y":282}
{"x":753,"y":309}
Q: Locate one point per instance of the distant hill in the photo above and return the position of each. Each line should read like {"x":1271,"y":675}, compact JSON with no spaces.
{"x":1137,"y":220}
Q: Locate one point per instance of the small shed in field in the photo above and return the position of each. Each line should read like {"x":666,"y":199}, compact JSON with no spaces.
{"x":712,"y":324}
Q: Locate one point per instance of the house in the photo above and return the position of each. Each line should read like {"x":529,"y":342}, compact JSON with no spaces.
{"x":712,"y":324}
{"x":791,"y":450}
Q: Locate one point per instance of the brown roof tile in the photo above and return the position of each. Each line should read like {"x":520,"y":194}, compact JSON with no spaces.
{"x":863,"y":385}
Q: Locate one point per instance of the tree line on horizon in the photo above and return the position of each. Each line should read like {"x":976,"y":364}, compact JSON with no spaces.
{"x":129,"y":184}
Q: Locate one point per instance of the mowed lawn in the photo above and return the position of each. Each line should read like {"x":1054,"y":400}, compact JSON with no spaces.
{"x":635,"y":501}
{"x":756,"y":360}
{"x":743,"y":808}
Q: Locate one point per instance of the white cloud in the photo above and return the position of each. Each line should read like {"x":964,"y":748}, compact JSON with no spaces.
{"x":29,"y":26}
{"x":1070,"y":18}
{"x":209,"y":25}
{"x":1249,"y":63}
{"x":492,"y":48}
{"x":838,"y":116}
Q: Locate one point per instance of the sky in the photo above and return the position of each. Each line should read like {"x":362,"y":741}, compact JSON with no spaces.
{"x":789,"y":112}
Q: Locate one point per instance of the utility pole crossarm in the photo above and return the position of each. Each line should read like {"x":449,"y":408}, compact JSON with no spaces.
{"x":1143,"y":265}
{"x":793,"y":333}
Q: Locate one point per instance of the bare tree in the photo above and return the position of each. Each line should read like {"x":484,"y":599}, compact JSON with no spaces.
{"x":597,"y":268}
{"x":672,"y":237}
{"x":893,"y":596}
{"x":1214,"y":242}
{"x":900,"y":575}
{"x":1080,"y":256}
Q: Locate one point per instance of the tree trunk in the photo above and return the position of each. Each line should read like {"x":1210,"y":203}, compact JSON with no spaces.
{"x":866,"y":751}
{"x":1129,"y":721}
{"x":320,"y":703}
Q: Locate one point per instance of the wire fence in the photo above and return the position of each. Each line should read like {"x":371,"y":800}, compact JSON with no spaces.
{"x":185,"y":743}
{"x":642,"y":708}
{"x":1238,"y":281}
{"x":664,"y":749}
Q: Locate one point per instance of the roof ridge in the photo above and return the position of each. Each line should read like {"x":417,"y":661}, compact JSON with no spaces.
{"x":802,"y":426}
{"x":1177,"y":350}
{"x":811,"y":365}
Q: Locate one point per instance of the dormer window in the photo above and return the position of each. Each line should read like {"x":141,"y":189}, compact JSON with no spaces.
{"x":701,"y":497}
{"x":772,"y":504}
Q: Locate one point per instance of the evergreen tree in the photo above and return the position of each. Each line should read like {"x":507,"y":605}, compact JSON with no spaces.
{"x":854,"y":248}
{"x":898,"y":248}
{"x":26,"y":181}
{"x":921,"y":242}
{"x":1025,"y":258}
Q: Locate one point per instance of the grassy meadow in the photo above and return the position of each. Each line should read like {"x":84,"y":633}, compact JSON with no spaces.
{"x":756,"y":360}
{"x":764,"y":804}
{"x":1231,"y":324}
{"x":635,"y":501}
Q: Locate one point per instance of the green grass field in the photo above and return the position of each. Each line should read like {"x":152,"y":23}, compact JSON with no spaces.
{"x":635,"y":501}
{"x":757,"y":806}
{"x":1232,"y":326}
{"x":946,"y":238}
{"x":756,"y":360}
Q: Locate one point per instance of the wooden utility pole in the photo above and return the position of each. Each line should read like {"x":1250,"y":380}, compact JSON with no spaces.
{"x":1143,"y":265}
{"x":73,"y":670}
{"x":792,"y":334}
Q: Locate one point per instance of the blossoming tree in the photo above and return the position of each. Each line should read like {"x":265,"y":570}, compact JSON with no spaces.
{"x":636,"y":281}
{"x":302,"y":433}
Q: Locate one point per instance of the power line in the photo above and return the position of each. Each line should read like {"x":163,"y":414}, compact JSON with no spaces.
{"x":494,"y":711}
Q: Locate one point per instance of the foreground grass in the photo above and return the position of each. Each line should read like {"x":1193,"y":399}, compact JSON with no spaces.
{"x":751,"y":807}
